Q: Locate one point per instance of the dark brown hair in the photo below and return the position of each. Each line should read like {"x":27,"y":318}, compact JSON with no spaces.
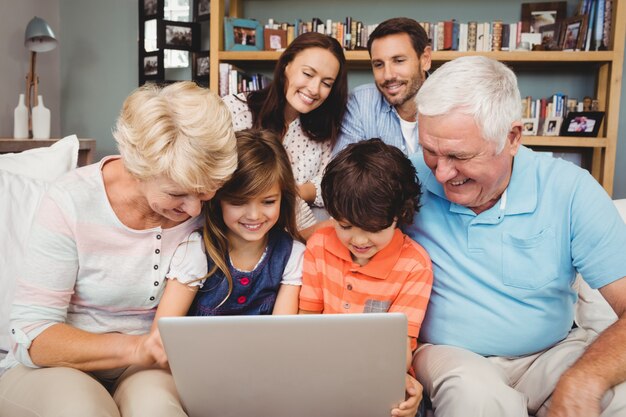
{"x":323,"y":123}
{"x":262,"y":162}
{"x":419,"y":37}
{"x":370,"y":184}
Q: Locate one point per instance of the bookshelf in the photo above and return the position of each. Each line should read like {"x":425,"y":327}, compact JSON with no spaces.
{"x":607,"y":66}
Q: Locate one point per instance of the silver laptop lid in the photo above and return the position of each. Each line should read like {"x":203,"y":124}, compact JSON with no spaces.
{"x":285,"y":366}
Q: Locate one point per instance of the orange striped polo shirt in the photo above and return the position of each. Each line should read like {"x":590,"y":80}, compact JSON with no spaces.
{"x":396,"y":279}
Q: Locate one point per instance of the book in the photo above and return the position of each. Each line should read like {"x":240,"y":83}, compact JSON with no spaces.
{"x":472,"y":35}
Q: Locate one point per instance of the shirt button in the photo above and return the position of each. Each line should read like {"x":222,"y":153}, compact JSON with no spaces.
{"x":349,"y":287}
{"x":241,"y":299}
{"x":152,"y":298}
{"x":244,"y":281}
{"x":158,"y":236}
{"x":346,"y":305}
{"x":157,"y":251}
{"x":156,"y":283}
{"x":13,"y":331}
{"x":156,"y":267}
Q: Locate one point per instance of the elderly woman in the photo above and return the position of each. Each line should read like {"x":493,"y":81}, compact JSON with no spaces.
{"x":99,"y":250}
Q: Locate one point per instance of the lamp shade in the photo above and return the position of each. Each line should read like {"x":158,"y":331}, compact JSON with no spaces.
{"x":39,"y":36}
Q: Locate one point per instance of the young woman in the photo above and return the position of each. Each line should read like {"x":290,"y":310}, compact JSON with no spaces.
{"x":304,"y":106}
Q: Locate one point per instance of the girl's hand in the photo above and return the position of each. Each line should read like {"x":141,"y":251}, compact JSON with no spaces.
{"x":408,"y":408}
{"x":149,"y":350}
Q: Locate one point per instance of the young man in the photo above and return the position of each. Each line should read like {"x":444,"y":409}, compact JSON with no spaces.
{"x":364,"y":263}
{"x":400,"y":57}
{"x":507,"y":229}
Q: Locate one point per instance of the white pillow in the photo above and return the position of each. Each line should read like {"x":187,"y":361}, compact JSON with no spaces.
{"x":24,"y":177}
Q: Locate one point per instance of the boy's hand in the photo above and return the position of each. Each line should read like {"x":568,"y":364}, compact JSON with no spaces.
{"x":408,"y":408}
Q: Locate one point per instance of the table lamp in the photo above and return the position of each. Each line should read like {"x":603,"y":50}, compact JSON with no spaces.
{"x":37,"y":38}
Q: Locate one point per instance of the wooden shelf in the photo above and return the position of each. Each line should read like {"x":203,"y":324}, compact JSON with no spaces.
{"x":565,"y":141}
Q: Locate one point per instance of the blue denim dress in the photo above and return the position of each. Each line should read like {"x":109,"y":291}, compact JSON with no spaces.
{"x":254,"y":292}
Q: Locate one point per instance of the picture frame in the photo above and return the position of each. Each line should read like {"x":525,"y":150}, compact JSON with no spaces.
{"x":536,"y":15}
{"x":573,"y":32}
{"x":585,"y":124}
{"x":200,"y":67}
{"x":201,"y":10}
{"x":242,"y":34}
{"x":151,"y":9}
{"x":530,"y":126}
{"x":184,"y":36}
{"x":550,"y":37}
{"x":151,"y":67}
{"x":274,"y":39}
{"x":552,"y":126}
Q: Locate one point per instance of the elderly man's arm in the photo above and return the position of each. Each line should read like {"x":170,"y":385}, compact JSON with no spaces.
{"x":602,"y":366}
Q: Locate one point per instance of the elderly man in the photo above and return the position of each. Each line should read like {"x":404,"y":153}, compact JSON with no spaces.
{"x":400,"y":57}
{"x":507,"y":229}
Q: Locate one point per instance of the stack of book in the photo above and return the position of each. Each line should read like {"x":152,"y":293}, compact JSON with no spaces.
{"x":233,"y":80}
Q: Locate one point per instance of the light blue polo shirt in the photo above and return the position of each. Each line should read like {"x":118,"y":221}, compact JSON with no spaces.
{"x":502,"y":279}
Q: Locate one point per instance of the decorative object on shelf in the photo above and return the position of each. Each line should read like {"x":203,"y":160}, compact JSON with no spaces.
{"x":41,"y":120}
{"x":552,"y":126}
{"x":38,"y":37}
{"x":242,"y":35}
{"x":274,"y":39}
{"x":582,"y":124}
{"x":530,"y":126}
{"x":550,"y":37}
{"x":573,"y":31}
{"x":536,"y":15}
{"x":20,"y":120}
{"x":201,"y":10}
{"x":178,"y":35}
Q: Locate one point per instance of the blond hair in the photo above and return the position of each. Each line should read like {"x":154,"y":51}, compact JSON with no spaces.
{"x":181,"y":131}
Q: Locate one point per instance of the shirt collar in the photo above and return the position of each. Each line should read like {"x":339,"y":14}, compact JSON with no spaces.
{"x":379,"y":266}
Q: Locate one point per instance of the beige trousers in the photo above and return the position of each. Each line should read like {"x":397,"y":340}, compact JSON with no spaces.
{"x":67,"y":392}
{"x":461,"y":383}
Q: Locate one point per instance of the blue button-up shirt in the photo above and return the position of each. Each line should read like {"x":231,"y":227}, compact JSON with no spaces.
{"x":369,"y":115}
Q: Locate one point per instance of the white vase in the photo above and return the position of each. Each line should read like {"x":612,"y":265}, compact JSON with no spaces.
{"x":20,"y":120}
{"x":41,"y":120}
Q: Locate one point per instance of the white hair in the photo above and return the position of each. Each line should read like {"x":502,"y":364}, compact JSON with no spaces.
{"x":480,"y":87}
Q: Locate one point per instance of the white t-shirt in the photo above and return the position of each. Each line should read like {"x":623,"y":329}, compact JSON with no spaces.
{"x":409,"y":132}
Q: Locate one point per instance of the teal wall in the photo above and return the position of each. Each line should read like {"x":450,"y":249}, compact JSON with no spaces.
{"x":99,"y":55}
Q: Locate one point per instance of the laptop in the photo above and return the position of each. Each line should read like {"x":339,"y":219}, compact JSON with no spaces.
{"x":318,"y":365}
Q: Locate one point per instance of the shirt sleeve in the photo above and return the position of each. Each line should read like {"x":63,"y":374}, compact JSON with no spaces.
{"x":45,"y":287}
{"x":312,"y":294}
{"x":239,"y":111}
{"x":189,"y":262}
{"x":413,"y":297}
{"x":293,"y":270}
{"x":351,"y":128}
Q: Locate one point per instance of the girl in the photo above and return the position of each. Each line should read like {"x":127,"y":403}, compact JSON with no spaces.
{"x":304,"y":106}
{"x":248,"y":258}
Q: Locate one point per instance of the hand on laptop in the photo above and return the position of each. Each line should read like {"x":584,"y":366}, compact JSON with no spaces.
{"x":408,"y":408}
{"x":149,"y":350}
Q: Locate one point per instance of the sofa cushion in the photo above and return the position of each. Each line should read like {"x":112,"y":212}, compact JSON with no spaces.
{"x":24,"y":177}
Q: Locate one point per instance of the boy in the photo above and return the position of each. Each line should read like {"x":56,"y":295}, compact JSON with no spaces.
{"x":363,"y":263}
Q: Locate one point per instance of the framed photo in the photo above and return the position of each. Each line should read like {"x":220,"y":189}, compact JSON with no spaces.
{"x":151,"y":67}
{"x":552,"y":126}
{"x":550,"y":37}
{"x":573,"y":31}
{"x":274,"y":39}
{"x":582,"y":123}
{"x":536,"y":15}
{"x":178,"y":35}
{"x":201,"y":10}
{"x":530,"y":126}
{"x":151,"y":9}
{"x":200,"y":67}
{"x":242,"y":35}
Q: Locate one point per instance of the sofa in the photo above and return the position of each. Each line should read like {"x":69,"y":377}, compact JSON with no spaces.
{"x":24,"y":177}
